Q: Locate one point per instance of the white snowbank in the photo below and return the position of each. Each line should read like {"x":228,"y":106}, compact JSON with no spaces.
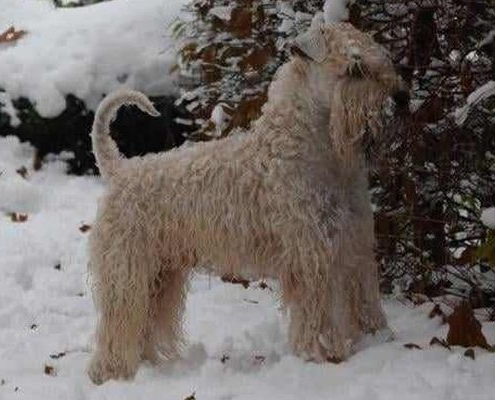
{"x":488,"y":217}
{"x":87,"y":51}
{"x":237,"y":338}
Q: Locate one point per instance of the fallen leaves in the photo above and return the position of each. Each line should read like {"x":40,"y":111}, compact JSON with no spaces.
{"x":470,"y":353}
{"x":49,"y":370}
{"x":437,"y":312}
{"x":11,"y":35}
{"x":236,"y":280}
{"x":18,"y":217}
{"x":191,"y":397}
{"x":465,"y":329}
{"x":23,"y":172}
{"x":84,"y":228}
{"x":412,"y":346}
{"x":58,"y":355}
{"x":439,"y":342}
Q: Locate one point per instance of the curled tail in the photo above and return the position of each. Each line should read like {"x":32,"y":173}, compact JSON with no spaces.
{"x":108,"y":157}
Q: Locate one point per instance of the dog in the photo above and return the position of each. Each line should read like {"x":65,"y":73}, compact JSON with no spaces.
{"x":287,"y":199}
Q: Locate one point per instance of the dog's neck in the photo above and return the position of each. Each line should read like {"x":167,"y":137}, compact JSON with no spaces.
{"x":296,"y":109}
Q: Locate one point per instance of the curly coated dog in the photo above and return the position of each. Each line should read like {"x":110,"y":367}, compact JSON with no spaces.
{"x":287,"y":199}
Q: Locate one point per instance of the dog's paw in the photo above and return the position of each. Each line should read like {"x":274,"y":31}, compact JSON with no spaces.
{"x":100,"y":371}
{"x":97,"y":373}
{"x":326,"y":348}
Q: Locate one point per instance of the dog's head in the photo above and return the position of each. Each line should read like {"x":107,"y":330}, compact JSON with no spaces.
{"x":356,"y":79}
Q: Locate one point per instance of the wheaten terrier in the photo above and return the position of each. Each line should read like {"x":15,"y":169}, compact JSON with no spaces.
{"x":286,"y":200}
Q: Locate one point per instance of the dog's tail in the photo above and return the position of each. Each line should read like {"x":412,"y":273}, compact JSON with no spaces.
{"x":108,"y":157}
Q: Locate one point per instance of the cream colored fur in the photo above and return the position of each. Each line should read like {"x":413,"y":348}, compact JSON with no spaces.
{"x":286,"y":200}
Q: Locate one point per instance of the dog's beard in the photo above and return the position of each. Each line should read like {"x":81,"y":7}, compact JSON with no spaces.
{"x":379,"y":138}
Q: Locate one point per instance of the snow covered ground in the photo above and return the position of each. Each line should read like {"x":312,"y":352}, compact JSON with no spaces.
{"x":87,"y":52}
{"x":237,"y":337}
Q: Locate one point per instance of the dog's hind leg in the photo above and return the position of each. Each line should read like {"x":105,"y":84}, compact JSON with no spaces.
{"x":163,"y":336}
{"x":121,"y":293}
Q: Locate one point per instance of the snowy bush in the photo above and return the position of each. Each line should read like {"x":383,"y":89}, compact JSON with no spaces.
{"x":230,"y":51}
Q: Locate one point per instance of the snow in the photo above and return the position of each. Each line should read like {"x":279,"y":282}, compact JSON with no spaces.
{"x":480,"y":94}
{"x":222,"y":12}
{"x":488,"y":217}
{"x":488,"y":39}
{"x":335,"y":10}
{"x":220,"y":118}
{"x":47,"y":320}
{"x":86,"y":51}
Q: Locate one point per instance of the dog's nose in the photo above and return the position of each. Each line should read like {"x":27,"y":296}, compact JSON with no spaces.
{"x":401,"y":99}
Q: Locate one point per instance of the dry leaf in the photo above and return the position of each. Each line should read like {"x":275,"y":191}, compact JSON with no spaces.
{"x":49,"y":370}
{"x":22,"y":172}
{"x":57,"y":355}
{"x":224,"y":359}
{"x":84,"y":228}
{"x":437,"y":312}
{"x":465,"y":329}
{"x":412,"y":346}
{"x":439,"y":342}
{"x":229,"y":278}
{"x":191,"y":397}
{"x":470,"y":353}
{"x":18,"y":217}
{"x":11,"y":35}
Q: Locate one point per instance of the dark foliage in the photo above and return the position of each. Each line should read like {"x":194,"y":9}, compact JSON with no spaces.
{"x":440,"y":172}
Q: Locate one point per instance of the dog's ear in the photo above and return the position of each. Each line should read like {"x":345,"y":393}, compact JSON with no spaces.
{"x":310,"y":45}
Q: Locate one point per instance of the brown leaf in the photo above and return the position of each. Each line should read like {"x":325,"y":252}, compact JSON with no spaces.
{"x":11,"y":35}
{"x":465,"y":329}
{"x":439,"y":342}
{"x":470,"y":353}
{"x":84,"y":228}
{"x":49,"y":370}
{"x":437,"y":312}
{"x":58,"y":355}
{"x":22,"y":172}
{"x":191,"y":397}
{"x":412,"y":346}
{"x":259,"y":359}
{"x":236,"y":280}
{"x":224,"y":359}
{"x":18,"y":217}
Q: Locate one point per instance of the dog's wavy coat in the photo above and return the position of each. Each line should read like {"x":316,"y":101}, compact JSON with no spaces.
{"x":286,"y":200}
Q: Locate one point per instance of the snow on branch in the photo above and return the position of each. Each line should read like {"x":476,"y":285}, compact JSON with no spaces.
{"x":480,"y":94}
{"x":335,"y":10}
